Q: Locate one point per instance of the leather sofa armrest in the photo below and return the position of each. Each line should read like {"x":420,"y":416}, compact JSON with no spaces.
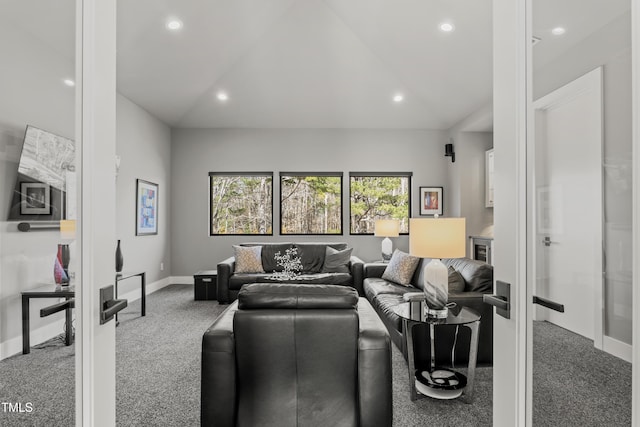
{"x":218,"y":381}
{"x":374,"y":369}
{"x":474,"y":300}
{"x":357,"y":267}
{"x":374,"y":269}
{"x":225,"y":271}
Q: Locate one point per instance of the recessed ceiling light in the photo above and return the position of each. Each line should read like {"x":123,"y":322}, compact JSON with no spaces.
{"x":398,"y":97}
{"x":447,"y":27}
{"x":69,"y":82}
{"x":174,"y":24}
{"x":222,"y":96}
{"x":558,"y":31}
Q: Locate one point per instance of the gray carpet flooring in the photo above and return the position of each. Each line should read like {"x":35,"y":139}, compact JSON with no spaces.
{"x":158,"y":376}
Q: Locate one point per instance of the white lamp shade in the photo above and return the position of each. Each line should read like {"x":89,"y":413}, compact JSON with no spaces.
{"x":387,"y":228}
{"x":437,"y":237}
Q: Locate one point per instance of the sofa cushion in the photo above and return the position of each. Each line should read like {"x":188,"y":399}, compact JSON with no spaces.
{"x":384,"y":305}
{"x":477,"y":274}
{"x":336,"y":261}
{"x":248,"y":259}
{"x":269,"y":263}
{"x":401,"y":268}
{"x":311,"y":257}
{"x":456,"y":281}
{"x":292,"y":296}
{"x":374,"y":286}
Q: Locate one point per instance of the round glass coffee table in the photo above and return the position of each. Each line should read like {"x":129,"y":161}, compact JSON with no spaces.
{"x":437,"y":382}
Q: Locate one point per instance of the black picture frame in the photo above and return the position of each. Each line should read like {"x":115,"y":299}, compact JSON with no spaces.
{"x":431,"y":201}
{"x":35,"y":198}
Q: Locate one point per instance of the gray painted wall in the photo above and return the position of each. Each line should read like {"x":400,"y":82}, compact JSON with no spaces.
{"x":467,"y":179}
{"x":32,"y":93}
{"x":144,"y":146}
{"x":196,"y":152}
{"x":609,"y":47}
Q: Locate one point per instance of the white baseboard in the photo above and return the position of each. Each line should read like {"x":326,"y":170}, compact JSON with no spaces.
{"x":38,"y":336}
{"x":14,"y":345}
{"x":182,"y":280}
{"x":617,"y":348}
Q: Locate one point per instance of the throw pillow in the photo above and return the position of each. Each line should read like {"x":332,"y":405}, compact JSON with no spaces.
{"x":401,"y":268}
{"x":248,"y":259}
{"x":456,"y":281}
{"x":336,"y":261}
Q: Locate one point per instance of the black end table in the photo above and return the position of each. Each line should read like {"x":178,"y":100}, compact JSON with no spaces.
{"x":205,"y":285}
{"x":412,"y":314}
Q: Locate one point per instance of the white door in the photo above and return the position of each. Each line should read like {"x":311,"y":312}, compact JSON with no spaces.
{"x":567,"y":201}
{"x":95,"y":358}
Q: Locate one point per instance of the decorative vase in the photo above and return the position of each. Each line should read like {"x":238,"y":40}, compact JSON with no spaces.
{"x":61,"y":266}
{"x":119,"y":259}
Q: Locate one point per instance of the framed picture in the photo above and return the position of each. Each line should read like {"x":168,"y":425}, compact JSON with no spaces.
{"x":431,"y":200}
{"x":35,"y":198}
{"x":146,"y":208}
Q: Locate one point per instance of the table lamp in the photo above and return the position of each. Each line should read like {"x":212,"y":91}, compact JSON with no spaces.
{"x":387,"y":228}
{"x":437,"y":238}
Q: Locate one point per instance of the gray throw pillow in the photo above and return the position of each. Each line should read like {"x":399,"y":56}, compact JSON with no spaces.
{"x":401,"y":268}
{"x":336,"y":261}
{"x":456,"y":281}
{"x":248,"y":259}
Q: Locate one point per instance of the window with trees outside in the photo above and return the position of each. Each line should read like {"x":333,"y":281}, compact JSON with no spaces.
{"x":311,"y":203}
{"x":241,"y":203}
{"x":379,"y":196}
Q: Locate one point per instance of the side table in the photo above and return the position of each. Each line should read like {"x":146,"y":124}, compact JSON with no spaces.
{"x":453,"y":384}
{"x":47,"y":291}
{"x":205,"y":285}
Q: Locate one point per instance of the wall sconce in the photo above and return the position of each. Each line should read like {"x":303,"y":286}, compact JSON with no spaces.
{"x":448,"y":152}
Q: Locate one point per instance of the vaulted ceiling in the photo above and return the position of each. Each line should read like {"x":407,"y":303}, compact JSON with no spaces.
{"x":311,"y":63}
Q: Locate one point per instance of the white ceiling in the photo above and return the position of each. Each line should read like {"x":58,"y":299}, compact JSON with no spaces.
{"x":310,"y":63}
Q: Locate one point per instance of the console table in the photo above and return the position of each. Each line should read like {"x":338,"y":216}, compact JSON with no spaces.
{"x":143,"y":288}
{"x":48,"y":291}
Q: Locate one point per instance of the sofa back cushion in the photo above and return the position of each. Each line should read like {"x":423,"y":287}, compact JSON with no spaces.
{"x":477,"y":274}
{"x":311,"y":256}
{"x":336,"y":261}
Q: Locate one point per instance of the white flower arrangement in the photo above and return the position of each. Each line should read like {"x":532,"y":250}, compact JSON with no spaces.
{"x":291,"y":264}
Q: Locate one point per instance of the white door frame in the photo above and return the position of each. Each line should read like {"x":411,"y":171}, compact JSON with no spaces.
{"x":96,"y":133}
{"x":512,"y":96}
{"x":635,"y":119}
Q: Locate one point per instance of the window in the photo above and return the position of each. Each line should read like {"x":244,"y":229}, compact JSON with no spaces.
{"x":311,"y":203}
{"x":379,"y":196}
{"x":241,"y":203}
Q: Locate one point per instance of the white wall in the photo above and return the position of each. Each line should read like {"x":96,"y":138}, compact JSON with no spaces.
{"x":144,"y":146}
{"x":611,"y":48}
{"x":196,"y":152}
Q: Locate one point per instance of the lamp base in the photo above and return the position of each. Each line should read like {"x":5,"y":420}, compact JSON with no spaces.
{"x":436,"y":313}
{"x":436,"y":288}
{"x":387,"y":249}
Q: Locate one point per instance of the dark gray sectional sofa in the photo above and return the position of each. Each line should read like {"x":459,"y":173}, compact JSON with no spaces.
{"x":478,"y":276}
{"x":314,"y":262}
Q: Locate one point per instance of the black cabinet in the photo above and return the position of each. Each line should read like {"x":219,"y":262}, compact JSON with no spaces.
{"x":205,"y":285}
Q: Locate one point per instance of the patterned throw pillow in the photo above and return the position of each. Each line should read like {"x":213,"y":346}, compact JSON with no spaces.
{"x":248,"y":259}
{"x":401,"y":268}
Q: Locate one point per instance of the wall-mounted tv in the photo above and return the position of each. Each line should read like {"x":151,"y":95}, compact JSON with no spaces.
{"x":46,"y":167}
